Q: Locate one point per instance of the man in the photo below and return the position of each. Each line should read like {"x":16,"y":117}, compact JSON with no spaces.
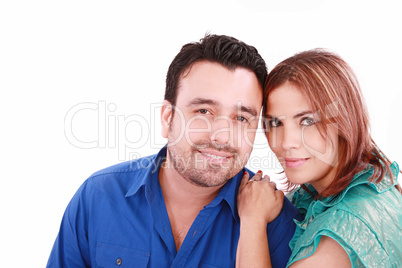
{"x":178,"y":208}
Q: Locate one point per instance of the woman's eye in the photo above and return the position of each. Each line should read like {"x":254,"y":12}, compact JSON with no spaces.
{"x":308,"y":121}
{"x":274,"y":122}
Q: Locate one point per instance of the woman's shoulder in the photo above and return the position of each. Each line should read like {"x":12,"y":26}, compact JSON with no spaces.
{"x":366,"y":198}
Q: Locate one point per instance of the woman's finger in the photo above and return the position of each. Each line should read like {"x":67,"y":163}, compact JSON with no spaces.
{"x":279,"y":196}
{"x":245,"y":178}
{"x":265,"y":178}
{"x":257,"y":176}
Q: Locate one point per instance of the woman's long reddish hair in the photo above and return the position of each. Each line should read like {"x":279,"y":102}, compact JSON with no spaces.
{"x":334,"y":93}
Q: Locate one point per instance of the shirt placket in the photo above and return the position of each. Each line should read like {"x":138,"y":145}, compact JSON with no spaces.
{"x":200,"y":225}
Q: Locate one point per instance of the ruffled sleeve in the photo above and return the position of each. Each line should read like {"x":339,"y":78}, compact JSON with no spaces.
{"x":358,"y":240}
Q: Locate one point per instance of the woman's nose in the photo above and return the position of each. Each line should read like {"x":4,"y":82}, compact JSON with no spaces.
{"x":291,"y":138}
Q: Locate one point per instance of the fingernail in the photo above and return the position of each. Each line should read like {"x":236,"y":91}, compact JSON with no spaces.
{"x":245,"y":172}
{"x":259,"y":171}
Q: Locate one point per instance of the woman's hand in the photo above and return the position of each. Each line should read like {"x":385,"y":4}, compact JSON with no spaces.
{"x":258,"y":202}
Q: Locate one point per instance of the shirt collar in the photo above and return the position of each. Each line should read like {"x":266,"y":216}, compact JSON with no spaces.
{"x":229,"y":194}
{"x":303,"y":200}
{"x":145,"y":169}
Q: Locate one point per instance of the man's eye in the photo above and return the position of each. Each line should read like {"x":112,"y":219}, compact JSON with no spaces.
{"x":242,"y":119}
{"x":203,"y":111}
{"x":307,"y":121}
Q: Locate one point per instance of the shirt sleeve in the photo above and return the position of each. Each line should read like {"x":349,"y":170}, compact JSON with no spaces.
{"x":280,"y":232}
{"x":71,"y":246}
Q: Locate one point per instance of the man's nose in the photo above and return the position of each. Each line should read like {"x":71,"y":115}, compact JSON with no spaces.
{"x":222,"y":130}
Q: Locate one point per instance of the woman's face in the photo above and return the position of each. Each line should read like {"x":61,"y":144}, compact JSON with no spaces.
{"x":306,"y":155}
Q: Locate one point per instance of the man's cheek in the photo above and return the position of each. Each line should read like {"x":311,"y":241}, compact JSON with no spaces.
{"x":197,"y":128}
{"x":248,"y":138}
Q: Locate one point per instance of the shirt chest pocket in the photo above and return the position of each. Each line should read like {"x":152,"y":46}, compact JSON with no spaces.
{"x":108,"y":255}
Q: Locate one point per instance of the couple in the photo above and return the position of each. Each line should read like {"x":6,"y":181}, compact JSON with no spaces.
{"x":195,"y":205}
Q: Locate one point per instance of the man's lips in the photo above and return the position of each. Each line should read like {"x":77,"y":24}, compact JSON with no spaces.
{"x":295,"y":162}
{"x":215,"y":156}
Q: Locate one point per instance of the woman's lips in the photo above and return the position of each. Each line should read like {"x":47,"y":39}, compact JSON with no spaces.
{"x":295,"y":162}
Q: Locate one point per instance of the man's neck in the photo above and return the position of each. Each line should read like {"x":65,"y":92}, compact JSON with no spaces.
{"x":179,"y":190}
{"x":183,"y":200}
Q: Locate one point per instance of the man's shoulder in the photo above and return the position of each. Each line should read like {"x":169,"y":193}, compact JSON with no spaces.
{"x":289,"y":211}
{"x":286,"y":217}
{"x":123,"y":175}
{"x":131,"y":166}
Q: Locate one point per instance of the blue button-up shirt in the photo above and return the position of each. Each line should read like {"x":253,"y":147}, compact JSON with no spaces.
{"x":118,"y":218}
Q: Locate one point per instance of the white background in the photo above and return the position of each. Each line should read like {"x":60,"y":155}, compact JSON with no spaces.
{"x":113,"y":55}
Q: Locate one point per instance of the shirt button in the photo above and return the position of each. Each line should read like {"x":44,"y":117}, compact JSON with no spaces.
{"x":118,"y":261}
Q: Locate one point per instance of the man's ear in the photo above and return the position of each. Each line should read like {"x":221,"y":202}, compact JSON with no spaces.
{"x":166,"y":117}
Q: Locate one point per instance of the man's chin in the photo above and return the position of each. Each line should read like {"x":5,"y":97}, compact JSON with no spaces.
{"x":209,"y":182}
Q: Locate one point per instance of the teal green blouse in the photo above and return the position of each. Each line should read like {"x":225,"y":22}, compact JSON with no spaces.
{"x":365,"y":219}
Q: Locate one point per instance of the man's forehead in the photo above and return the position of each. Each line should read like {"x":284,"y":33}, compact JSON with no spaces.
{"x":209,"y":64}
{"x":219,"y":85}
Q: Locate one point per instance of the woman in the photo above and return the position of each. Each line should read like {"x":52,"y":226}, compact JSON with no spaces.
{"x":317,"y":125}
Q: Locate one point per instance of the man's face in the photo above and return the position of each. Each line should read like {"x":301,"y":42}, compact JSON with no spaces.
{"x":212,"y":130}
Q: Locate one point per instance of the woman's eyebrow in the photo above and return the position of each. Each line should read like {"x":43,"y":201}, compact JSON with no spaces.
{"x":270,"y":116}
{"x":302,"y":114}
{"x":295,"y":116}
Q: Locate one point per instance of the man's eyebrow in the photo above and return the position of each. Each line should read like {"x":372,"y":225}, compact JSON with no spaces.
{"x":198,"y":101}
{"x":247,"y":109}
